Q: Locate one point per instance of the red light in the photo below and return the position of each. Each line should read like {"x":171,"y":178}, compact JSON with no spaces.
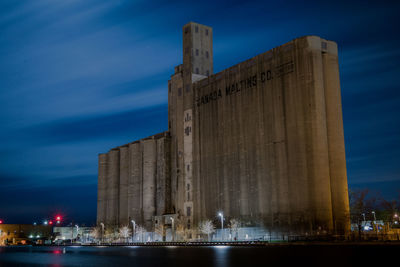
{"x":58,"y":218}
{"x":1,"y":221}
{"x":50,"y":222}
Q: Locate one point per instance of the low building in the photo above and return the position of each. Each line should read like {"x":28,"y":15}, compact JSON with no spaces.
{"x":73,"y":233}
{"x":14,"y":234}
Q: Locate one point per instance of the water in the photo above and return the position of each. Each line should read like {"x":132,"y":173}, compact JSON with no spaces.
{"x":295,"y":255}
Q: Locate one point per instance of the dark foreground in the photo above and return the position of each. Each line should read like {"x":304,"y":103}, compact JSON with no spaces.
{"x":273,"y":255}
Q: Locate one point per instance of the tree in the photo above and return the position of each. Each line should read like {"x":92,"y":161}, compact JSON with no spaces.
{"x":111,"y":234}
{"x":362,"y":203}
{"x":96,"y":233}
{"x":125,"y":232}
{"x":234,"y":225}
{"x":207,"y":227}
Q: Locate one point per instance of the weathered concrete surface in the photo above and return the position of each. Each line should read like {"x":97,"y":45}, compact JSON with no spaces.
{"x":337,"y":156}
{"x":135,"y":182}
{"x":101,"y":188}
{"x":261,"y":140}
{"x":112,"y":211}
{"x":123,"y":186}
{"x":264,"y":143}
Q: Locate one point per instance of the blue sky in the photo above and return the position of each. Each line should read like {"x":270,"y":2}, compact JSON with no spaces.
{"x":80,"y":77}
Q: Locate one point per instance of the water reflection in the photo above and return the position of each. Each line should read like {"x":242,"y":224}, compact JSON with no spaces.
{"x":221,"y":256}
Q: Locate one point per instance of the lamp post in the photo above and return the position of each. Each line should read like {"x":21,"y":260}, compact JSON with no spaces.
{"x":102,"y":232}
{"x":222,"y":224}
{"x":77,"y":231}
{"x":133,"y":229}
{"x":172,"y":227}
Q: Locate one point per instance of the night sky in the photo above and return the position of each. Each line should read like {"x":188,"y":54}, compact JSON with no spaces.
{"x":80,"y":77}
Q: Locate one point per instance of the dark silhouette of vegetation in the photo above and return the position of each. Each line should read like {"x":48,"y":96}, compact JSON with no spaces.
{"x":364,"y":204}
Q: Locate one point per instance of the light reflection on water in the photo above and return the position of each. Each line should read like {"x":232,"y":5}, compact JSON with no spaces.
{"x":221,"y":256}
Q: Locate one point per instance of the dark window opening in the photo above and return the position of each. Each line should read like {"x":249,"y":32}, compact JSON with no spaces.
{"x":188,"y":196}
{"x":187,"y":88}
{"x":197,"y":52}
{"x":196,"y":29}
{"x":197,"y":70}
{"x":207,"y":54}
{"x":188,"y":185}
{"x":207,"y":32}
{"x":188,"y":130}
{"x":188,"y":211}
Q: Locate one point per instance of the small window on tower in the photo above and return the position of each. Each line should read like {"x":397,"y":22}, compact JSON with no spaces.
{"x":206,"y":54}
{"x":207,"y":32}
{"x":187,"y":88}
{"x":188,"y":211}
{"x":188,"y":169}
{"x":188,"y":196}
{"x":196,"y":29}
{"x":197,"y":70}
{"x":197,"y":52}
{"x":188,"y":185}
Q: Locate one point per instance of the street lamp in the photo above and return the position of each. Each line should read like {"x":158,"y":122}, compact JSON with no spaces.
{"x":172,"y":227}
{"x":77,"y":231}
{"x":133,"y":228}
{"x":102,"y":232}
{"x":222,"y":224}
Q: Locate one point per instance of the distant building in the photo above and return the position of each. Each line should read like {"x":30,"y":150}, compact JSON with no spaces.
{"x":261,"y":141}
{"x":78,"y":234}
{"x":23,"y":233}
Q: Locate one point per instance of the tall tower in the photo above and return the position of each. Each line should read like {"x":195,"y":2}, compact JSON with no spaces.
{"x":197,"y":65}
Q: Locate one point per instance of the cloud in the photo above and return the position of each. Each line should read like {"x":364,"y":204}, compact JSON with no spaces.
{"x":80,"y":77}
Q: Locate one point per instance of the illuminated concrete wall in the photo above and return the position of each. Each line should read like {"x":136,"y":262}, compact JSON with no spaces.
{"x":268,"y":140}
{"x":261,"y":141}
{"x":134,"y":182}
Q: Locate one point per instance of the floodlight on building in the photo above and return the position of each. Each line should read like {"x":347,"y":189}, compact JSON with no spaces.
{"x":220,"y":214}
{"x":45,"y":222}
